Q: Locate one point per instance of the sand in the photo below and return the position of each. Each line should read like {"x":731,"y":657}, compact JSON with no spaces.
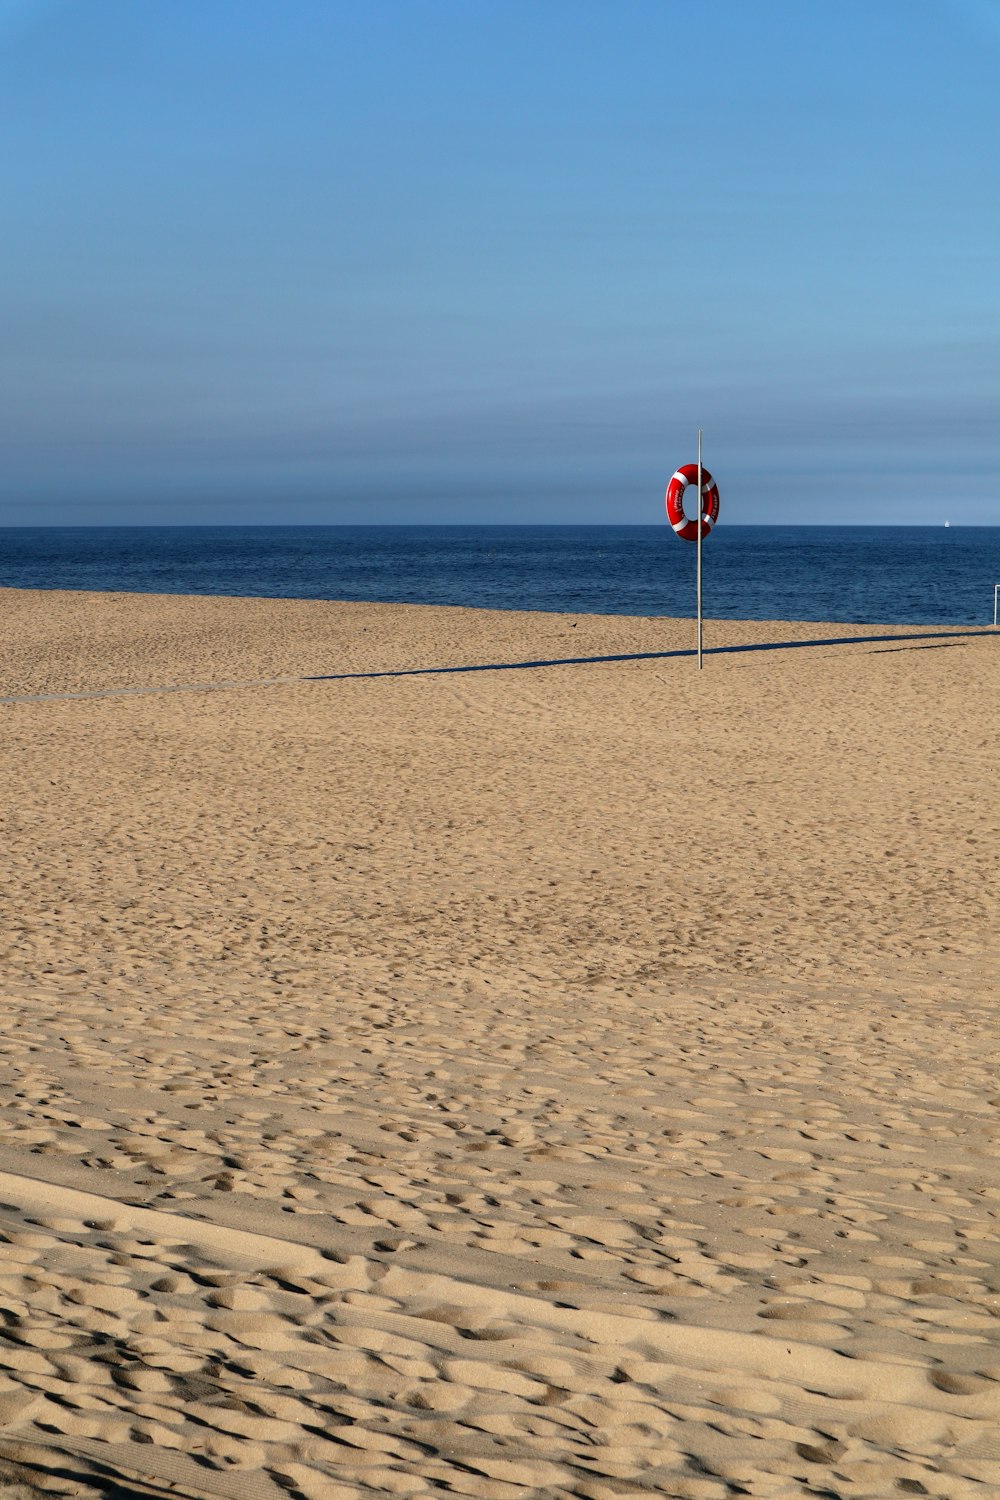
{"x":577,"y":1080}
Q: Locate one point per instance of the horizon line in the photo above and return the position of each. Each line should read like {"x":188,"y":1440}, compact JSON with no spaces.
{"x":486,"y":525}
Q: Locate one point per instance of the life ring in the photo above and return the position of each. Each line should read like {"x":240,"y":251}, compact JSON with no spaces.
{"x":687,"y":529}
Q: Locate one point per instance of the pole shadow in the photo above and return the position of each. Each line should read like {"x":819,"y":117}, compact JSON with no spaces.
{"x":942,"y":637}
{"x":584,"y":661}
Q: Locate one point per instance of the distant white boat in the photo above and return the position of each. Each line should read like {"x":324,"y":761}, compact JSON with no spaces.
{"x":947,"y":523}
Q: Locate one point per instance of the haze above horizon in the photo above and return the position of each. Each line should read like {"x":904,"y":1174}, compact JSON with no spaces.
{"x":496,"y":263}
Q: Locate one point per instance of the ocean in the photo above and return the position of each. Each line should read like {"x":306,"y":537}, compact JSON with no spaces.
{"x":916,"y":575}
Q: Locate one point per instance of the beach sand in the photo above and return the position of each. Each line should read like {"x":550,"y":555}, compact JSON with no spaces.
{"x":577,"y":1080}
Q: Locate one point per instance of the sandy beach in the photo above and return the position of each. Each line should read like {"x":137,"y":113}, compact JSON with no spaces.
{"x":564,"y":1080}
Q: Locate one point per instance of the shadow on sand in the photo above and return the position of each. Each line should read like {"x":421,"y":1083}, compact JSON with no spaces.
{"x":946,"y":637}
{"x":940,"y":637}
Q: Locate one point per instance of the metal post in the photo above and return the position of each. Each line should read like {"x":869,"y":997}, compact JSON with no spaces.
{"x":699,"y":549}
{"x":996,"y":600}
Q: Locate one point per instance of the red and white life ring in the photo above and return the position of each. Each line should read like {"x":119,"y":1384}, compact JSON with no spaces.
{"x":687,"y":529}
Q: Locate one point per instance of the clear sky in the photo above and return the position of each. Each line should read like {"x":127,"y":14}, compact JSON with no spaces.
{"x":497,"y":260}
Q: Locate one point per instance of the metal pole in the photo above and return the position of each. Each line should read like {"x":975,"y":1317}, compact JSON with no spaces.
{"x":699,"y":549}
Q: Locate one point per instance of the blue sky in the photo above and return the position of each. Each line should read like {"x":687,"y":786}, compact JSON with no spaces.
{"x":497,"y":260}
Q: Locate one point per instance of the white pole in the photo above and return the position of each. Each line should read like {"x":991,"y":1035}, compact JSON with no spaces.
{"x":996,"y":598}
{"x":699,"y":549}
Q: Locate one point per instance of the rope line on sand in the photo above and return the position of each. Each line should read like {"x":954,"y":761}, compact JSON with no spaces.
{"x":490,"y":666}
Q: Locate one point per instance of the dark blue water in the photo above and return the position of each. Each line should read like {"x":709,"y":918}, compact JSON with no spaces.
{"x":873,"y":575}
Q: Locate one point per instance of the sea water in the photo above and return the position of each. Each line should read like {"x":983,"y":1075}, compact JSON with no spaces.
{"x":874,"y":575}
